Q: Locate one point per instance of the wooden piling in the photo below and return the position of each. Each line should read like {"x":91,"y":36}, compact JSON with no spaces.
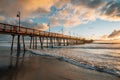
{"x":36,"y":42}
{"x":51,"y":42}
{"x":67,"y":42}
{"x":23,"y":44}
{"x":12,"y":45}
{"x":47,"y":41}
{"x":18,"y":46}
{"x":41,"y":42}
{"x":31,"y":42}
{"x":54,"y":42}
{"x":64,"y":42}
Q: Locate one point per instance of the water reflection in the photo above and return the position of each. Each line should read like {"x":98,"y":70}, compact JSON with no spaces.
{"x":20,"y":68}
{"x":11,"y":70}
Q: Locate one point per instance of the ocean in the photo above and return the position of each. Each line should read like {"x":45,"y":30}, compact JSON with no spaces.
{"x":103,"y":57}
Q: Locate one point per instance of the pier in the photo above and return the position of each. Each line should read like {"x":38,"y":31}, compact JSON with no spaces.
{"x":49,"y":38}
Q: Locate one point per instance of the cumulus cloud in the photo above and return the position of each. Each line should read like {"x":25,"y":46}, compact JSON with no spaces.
{"x":30,"y":21}
{"x":104,"y":36}
{"x":42,"y":26}
{"x":77,"y":12}
{"x":2,"y":18}
{"x":70,"y":22}
{"x":60,"y":3}
{"x":88,"y":3}
{"x":54,"y":22}
{"x":111,"y":11}
{"x":115,"y":34}
{"x":27,"y":7}
{"x":68,"y":12}
{"x":40,"y":11}
{"x":74,"y":14}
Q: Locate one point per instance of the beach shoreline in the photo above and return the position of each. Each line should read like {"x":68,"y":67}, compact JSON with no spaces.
{"x":36,"y":67}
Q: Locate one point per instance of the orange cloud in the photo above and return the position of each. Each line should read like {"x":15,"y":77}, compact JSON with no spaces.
{"x":54,"y":22}
{"x":112,"y":36}
{"x":68,"y":12}
{"x":42,"y":26}
{"x":2,"y":18}
{"x":61,"y":3}
{"x":10,"y":8}
{"x":70,"y":22}
{"x":110,"y":17}
{"x":82,"y":11}
{"x":115,"y":34}
{"x":74,"y":15}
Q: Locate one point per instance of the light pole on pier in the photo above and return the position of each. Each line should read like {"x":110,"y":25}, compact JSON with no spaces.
{"x":49,"y":27}
{"x":18,"y":15}
{"x":18,"y":42}
{"x":62,"y":30}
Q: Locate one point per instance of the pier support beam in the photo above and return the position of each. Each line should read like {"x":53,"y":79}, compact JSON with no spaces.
{"x":47,"y":42}
{"x":64,"y":42}
{"x":31,"y":42}
{"x":36,"y":42}
{"x":41,"y":42}
{"x":18,"y":46}
{"x":67,"y":42}
{"x":54,"y":42}
{"x":13,"y":36}
{"x":23,"y":44}
{"x":51,"y":42}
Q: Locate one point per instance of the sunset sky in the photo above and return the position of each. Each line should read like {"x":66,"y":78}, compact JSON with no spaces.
{"x":84,"y":18}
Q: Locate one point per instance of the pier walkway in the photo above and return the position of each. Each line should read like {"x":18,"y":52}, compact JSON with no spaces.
{"x":51,"y":39}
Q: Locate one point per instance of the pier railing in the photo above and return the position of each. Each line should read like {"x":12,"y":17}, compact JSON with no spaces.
{"x":51,"y":39}
{"x":13,"y":29}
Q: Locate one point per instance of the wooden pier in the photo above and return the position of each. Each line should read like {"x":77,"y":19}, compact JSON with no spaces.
{"x":51,"y":39}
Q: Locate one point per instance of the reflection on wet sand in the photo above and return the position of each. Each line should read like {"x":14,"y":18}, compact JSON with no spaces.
{"x":11,"y":71}
{"x":34,"y":67}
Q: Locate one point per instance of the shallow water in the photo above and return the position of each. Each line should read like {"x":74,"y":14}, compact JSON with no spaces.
{"x":104,"y":57}
{"x":100,"y":56}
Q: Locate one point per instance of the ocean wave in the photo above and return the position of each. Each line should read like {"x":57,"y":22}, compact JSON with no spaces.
{"x":79,"y":63}
{"x":73,"y":47}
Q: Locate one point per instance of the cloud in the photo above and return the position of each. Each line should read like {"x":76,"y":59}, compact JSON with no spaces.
{"x":67,"y":12}
{"x":75,"y":12}
{"x":27,"y":7}
{"x":30,"y":21}
{"x":115,"y":34}
{"x":54,"y":22}
{"x":88,"y":3}
{"x":69,"y":22}
{"x":40,"y":11}
{"x":60,"y":3}
{"x":2,"y":18}
{"x":111,"y":11}
{"x":112,"y":36}
{"x":104,"y":37}
{"x":42,"y":26}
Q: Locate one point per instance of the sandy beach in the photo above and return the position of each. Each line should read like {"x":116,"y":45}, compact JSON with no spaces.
{"x":44,"y":68}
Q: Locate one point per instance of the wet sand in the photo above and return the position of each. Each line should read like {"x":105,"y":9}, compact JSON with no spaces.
{"x":45,"y":68}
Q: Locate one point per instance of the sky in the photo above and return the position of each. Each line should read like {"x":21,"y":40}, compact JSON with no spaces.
{"x":97,"y":19}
